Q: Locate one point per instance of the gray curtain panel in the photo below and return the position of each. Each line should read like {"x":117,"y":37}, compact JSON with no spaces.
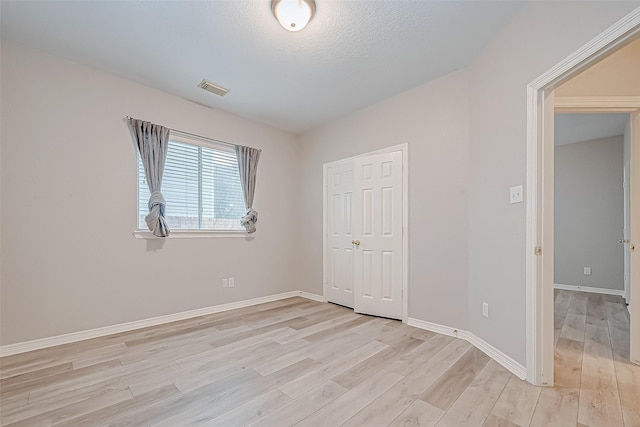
{"x":152,"y":142}
{"x":248,"y":165}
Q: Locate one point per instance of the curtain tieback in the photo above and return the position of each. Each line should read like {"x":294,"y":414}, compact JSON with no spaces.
{"x":249,"y":220}
{"x":157,"y":199}
{"x":155,"y":219}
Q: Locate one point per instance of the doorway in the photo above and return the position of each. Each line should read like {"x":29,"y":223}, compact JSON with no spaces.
{"x":591,"y":202}
{"x":591,"y":321}
{"x":540,"y":226}
{"x":365,"y":229}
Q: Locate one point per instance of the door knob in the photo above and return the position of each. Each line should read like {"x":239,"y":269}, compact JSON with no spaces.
{"x":623,"y":241}
{"x":355,"y":242}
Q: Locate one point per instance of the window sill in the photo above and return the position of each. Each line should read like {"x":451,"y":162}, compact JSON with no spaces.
{"x":192,"y":234}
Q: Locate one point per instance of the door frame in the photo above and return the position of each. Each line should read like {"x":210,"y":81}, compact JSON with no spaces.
{"x":539,"y":216}
{"x":404,"y":148}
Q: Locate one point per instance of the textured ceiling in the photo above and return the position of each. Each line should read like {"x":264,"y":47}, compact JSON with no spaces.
{"x":570,"y":128}
{"x":352,"y":54}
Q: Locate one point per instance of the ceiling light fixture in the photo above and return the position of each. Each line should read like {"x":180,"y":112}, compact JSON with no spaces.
{"x":293,"y":15}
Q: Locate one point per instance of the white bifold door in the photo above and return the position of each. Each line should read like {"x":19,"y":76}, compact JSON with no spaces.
{"x":364,"y":232}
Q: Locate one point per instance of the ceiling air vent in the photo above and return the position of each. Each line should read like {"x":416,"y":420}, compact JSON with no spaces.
{"x":213,"y":88}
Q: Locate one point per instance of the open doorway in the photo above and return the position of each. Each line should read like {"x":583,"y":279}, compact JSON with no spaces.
{"x":542,"y":102}
{"x":591,"y":204}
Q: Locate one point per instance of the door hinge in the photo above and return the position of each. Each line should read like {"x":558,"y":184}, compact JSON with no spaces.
{"x":538,"y":250}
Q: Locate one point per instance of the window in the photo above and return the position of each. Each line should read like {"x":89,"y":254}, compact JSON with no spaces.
{"x":201,"y":186}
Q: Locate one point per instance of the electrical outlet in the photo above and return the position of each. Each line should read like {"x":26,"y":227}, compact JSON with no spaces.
{"x":232,"y":282}
{"x":225,"y":283}
{"x":587,"y":271}
{"x":485,"y":309}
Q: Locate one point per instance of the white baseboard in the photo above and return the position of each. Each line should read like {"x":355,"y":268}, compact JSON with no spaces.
{"x":617,"y":292}
{"x":434,"y":327}
{"x":507,"y":362}
{"x":11,"y":349}
{"x":314,"y":297}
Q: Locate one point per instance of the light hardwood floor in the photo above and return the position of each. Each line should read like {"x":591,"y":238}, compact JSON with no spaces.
{"x":298,"y":362}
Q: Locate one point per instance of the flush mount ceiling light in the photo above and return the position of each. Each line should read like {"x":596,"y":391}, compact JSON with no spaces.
{"x":293,"y":15}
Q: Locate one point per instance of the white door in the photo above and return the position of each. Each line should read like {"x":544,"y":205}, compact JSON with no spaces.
{"x":377,"y":232}
{"x":339,"y":249}
{"x":626,"y":232}
{"x":633,"y":248}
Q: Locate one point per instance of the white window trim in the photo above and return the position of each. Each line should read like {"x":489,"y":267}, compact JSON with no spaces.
{"x":186,"y":234}
{"x":192,"y":234}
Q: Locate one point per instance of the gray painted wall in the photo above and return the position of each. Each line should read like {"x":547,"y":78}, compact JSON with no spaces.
{"x":589,"y":213}
{"x":432,"y":120}
{"x":542,"y":35}
{"x":69,"y":260}
{"x":467,"y":144}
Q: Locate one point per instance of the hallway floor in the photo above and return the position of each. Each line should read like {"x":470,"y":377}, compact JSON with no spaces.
{"x":593,"y":376}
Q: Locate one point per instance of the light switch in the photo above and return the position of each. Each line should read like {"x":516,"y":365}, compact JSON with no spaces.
{"x":587,"y":271}
{"x":485,"y":309}
{"x":515,"y":194}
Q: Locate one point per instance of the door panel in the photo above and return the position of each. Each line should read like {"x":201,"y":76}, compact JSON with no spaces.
{"x":626,"y":234}
{"x":339,"y":275}
{"x":377,"y":207}
{"x":633,"y":248}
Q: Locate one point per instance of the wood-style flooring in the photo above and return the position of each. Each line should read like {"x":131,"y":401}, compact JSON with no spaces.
{"x":299,"y":362}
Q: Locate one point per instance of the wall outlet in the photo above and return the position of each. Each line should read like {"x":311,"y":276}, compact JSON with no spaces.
{"x":516,"y":194}
{"x":225,"y":283}
{"x":232,"y":282}
{"x":485,"y":309}
{"x":587,"y":271}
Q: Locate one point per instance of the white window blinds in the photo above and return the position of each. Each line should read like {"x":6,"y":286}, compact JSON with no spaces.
{"x":201,"y":186}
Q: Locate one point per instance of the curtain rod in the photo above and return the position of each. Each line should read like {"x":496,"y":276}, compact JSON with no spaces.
{"x":124,"y":119}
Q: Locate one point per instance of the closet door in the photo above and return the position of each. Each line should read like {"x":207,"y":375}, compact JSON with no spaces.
{"x":339,"y":222}
{"x":377,"y":232}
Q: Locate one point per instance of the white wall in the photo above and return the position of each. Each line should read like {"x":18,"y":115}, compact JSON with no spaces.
{"x":543,"y":34}
{"x":588,"y":219}
{"x":69,"y":261}
{"x":432,"y":120}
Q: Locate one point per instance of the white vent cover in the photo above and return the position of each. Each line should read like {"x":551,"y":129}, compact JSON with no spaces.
{"x":213,"y":88}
